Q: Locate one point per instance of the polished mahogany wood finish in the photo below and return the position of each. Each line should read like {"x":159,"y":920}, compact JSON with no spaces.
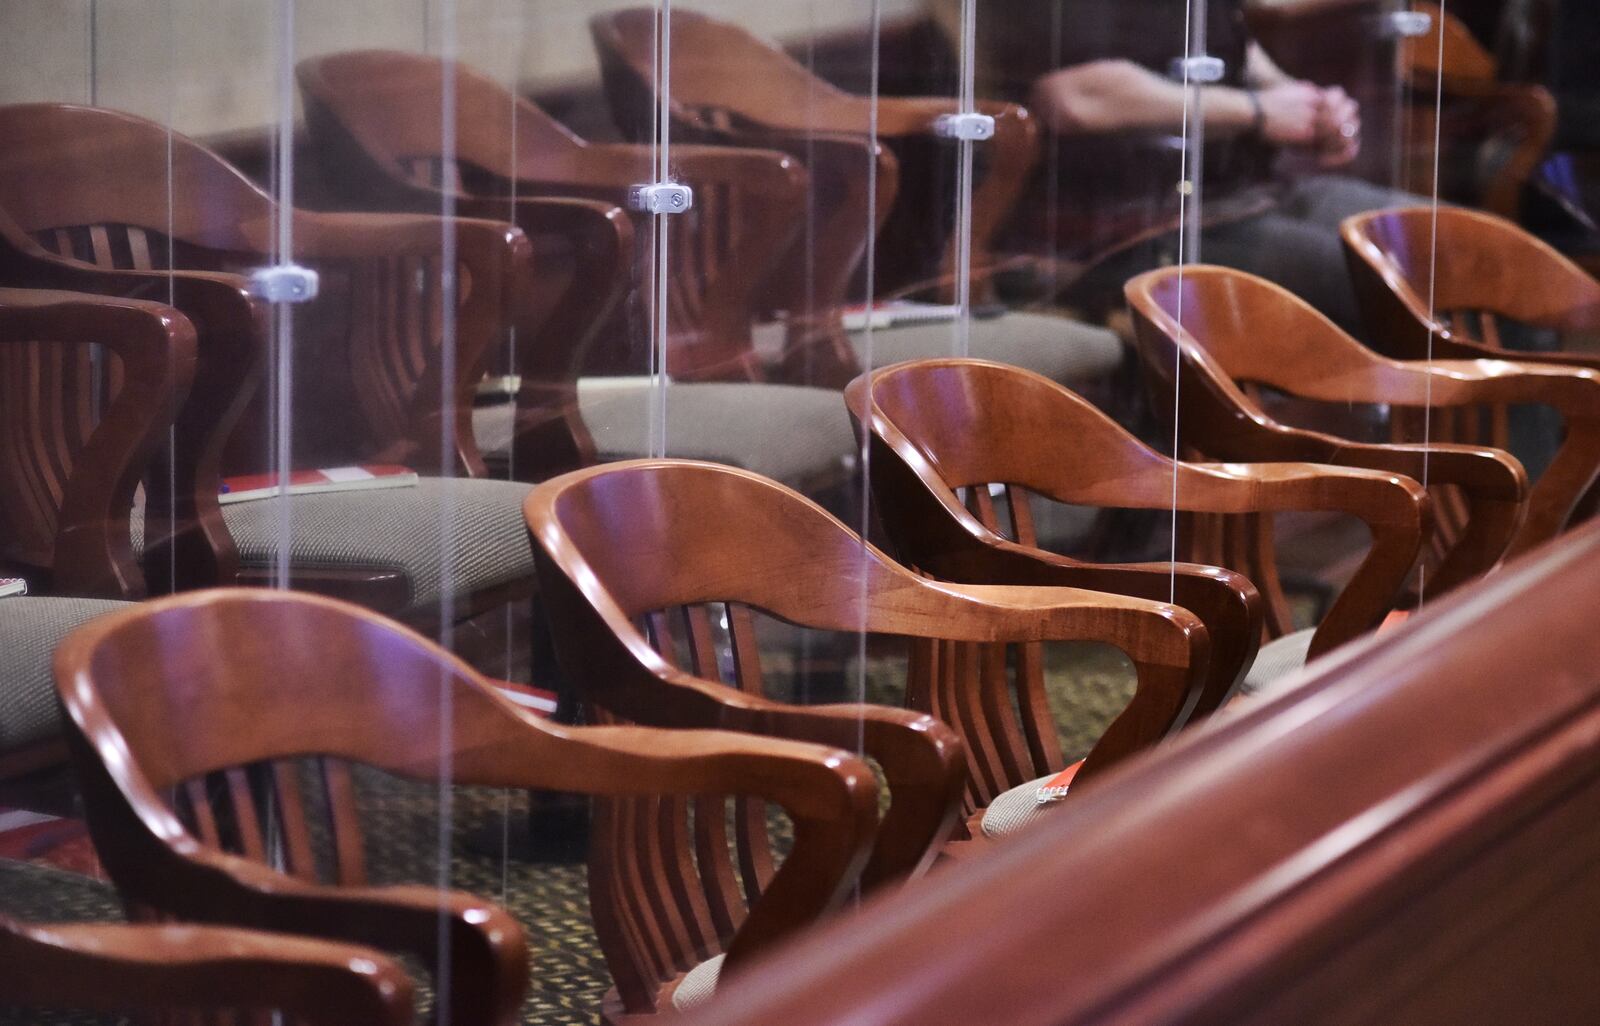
{"x":192,"y":739}
{"x":110,"y":203}
{"x":1240,"y":330}
{"x":730,"y":85}
{"x":1455,"y":124}
{"x":118,"y":968}
{"x":1408,"y":837}
{"x":377,"y":115}
{"x":656,"y":539}
{"x":1490,"y":271}
{"x":1461,"y":112}
{"x":969,"y":424}
{"x":77,"y":434}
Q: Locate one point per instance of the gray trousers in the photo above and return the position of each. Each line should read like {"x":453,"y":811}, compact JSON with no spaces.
{"x":1296,"y":244}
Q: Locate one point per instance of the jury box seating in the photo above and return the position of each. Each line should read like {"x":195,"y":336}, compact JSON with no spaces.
{"x":375,"y":120}
{"x":1402,"y":838}
{"x":213,"y":797}
{"x":731,"y":86}
{"x":967,"y":448}
{"x":86,"y":206}
{"x":633,"y":598}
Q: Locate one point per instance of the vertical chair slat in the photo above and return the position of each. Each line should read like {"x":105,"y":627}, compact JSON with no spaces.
{"x":756,"y":865}
{"x":746,"y":649}
{"x":247,"y":822}
{"x":1038,"y":722}
{"x":204,"y":819}
{"x":723,"y":897}
{"x":344,"y":822}
{"x":682,"y":875}
{"x":292,"y":818}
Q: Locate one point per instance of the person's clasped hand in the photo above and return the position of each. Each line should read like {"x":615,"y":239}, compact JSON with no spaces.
{"x":1338,"y":129}
{"x":1304,"y":115}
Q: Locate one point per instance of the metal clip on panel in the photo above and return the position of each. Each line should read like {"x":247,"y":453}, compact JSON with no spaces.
{"x":1201,"y":69}
{"x":661,"y":198}
{"x":286,"y":283}
{"x":1407,"y":24}
{"x":965,"y":127}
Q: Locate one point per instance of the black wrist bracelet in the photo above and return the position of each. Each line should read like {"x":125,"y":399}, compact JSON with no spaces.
{"x":1258,"y":118}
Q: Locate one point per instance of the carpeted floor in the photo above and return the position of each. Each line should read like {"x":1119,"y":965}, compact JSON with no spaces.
{"x":1089,"y":684}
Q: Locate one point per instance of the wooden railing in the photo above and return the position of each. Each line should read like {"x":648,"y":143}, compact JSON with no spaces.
{"x":1413,"y":836}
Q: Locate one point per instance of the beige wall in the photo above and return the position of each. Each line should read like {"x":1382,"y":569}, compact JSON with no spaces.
{"x":209,"y":66}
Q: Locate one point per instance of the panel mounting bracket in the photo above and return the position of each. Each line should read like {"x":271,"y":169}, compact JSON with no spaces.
{"x":1201,"y":69}
{"x":1407,"y":24}
{"x":967,"y":127}
{"x":661,"y":198}
{"x":285,"y":283}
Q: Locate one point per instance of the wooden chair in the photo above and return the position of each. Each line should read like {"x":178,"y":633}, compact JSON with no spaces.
{"x":1500,"y":131}
{"x":192,"y":741}
{"x":639,"y":560}
{"x":118,"y":968}
{"x":375,"y":117}
{"x":114,"y":204}
{"x":1407,"y":837}
{"x":731,"y":86}
{"x":1489,"y":136}
{"x":1240,"y":330}
{"x":1490,"y":271}
{"x":1495,"y":272}
{"x":728,"y":83}
{"x":946,"y":427}
{"x":90,"y":385}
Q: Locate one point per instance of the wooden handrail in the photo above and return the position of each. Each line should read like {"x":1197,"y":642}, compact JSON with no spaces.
{"x":1409,"y":836}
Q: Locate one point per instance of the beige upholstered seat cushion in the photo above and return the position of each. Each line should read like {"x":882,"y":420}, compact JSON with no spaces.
{"x":697,"y":986}
{"x":1277,"y":660}
{"x":1016,"y":809}
{"x":30,"y":629}
{"x":1060,"y":348}
{"x":800,"y":436}
{"x":457,"y":534}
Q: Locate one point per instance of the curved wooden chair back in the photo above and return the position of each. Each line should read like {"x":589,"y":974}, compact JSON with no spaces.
{"x":1501,"y":130}
{"x":88,"y":388}
{"x":1494,"y":274}
{"x":642,"y":548}
{"x":119,"y":192}
{"x":984,"y":427}
{"x":1222,"y":329}
{"x":390,"y":105}
{"x":731,"y":85}
{"x":193,"y":738}
{"x":379,"y":113}
{"x":1491,"y":270}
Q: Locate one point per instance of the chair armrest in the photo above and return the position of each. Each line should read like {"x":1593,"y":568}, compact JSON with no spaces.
{"x":114,"y":967}
{"x":488,"y":953}
{"x":830,"y":795}
{"x":1572,"y":391}
{"x":1009,"y":156}
{"x":593,"y":242}
{"x":1396,"y":510}
{"x":616,"y":669}
{"x":186,"y":542}
{"x":610,"y":170}
{"x":155,"y":344}
{"x":494,"y":258}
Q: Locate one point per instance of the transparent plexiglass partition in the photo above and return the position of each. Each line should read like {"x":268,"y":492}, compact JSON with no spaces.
{"x":754,"y":450}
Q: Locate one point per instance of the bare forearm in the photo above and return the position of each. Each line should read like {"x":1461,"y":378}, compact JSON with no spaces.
{"x":1109,"y":96}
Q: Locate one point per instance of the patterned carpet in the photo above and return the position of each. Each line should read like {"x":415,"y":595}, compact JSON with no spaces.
{"x":568,"y":978}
